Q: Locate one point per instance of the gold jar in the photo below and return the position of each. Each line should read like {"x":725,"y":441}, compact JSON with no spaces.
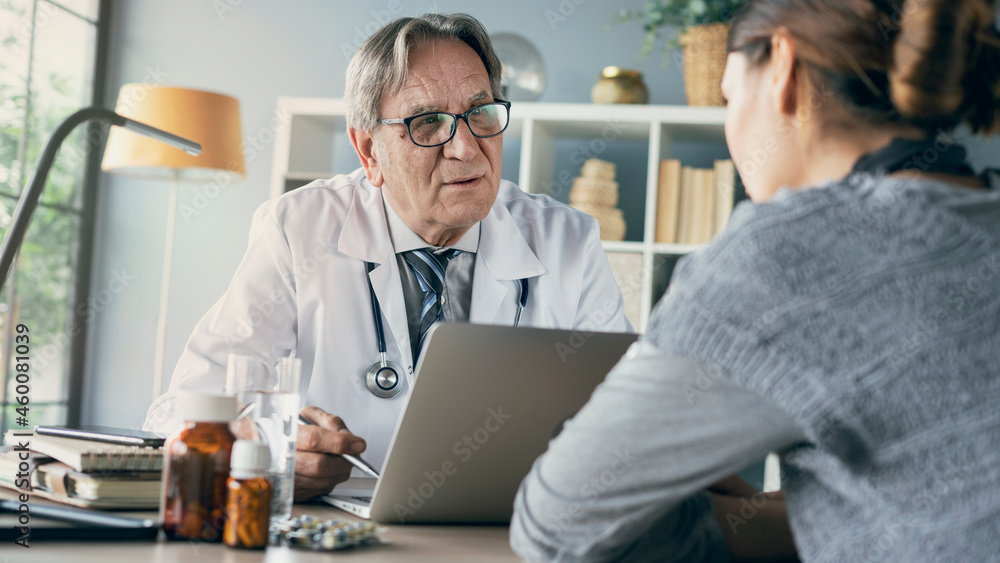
{"x":619,"y":86}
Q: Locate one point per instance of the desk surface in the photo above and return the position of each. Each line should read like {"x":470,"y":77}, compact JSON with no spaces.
{"x":403,"y":543}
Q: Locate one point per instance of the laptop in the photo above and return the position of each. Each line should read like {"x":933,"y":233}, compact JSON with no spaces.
{"x":485,"y":403}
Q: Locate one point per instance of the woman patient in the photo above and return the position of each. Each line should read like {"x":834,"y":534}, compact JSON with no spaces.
{"x":848,"y":318}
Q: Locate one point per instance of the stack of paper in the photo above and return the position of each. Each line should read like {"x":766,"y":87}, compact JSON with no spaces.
{"x":82,"y":472}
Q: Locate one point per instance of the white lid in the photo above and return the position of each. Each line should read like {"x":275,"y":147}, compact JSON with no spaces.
{"x":198,"y":406}
{"x":250,"y":458}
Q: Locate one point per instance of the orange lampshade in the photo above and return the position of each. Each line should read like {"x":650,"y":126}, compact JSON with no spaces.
{"x":211,"y":119}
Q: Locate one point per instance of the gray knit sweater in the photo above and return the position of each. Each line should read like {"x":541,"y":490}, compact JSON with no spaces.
{"x":855,"y":329}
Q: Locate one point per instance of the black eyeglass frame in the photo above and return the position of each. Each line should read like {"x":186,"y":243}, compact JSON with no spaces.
{"x":454,"y":124}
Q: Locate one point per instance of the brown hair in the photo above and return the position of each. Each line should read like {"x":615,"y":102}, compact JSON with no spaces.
{"x":930,"y":63}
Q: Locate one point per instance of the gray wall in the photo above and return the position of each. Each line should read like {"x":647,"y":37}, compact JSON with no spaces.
{"x":258,"y":51}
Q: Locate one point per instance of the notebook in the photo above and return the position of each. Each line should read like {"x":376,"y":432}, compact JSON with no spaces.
{"x":57,"y":481}
{"x":88,"y":456}
{"x":484,"y":403}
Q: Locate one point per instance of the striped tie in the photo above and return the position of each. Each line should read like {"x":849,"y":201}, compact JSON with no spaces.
{"x":429,"y":269}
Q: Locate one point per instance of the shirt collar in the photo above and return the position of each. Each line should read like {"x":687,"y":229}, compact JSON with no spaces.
{"x":404,"y":239}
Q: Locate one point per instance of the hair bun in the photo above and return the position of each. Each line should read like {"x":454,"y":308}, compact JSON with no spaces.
{"x":946,"y":64}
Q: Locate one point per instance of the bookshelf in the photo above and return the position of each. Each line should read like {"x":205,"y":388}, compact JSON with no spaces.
{"x":544,"y":149}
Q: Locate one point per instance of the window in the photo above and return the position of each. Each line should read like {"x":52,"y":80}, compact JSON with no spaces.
{"x":50,"y":58}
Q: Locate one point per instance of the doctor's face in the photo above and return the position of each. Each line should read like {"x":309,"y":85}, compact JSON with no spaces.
{"x":439,"y":192}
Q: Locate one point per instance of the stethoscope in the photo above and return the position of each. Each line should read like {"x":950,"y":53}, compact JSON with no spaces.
{"x":383,"y":377}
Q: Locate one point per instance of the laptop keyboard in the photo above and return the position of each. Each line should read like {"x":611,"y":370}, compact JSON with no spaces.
{"x":362,"y":499}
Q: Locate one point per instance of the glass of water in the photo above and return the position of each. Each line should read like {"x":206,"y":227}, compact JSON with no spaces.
{"x":267,"y":396}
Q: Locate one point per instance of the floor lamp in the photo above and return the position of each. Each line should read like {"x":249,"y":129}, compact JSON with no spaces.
{"x":211,"y":119}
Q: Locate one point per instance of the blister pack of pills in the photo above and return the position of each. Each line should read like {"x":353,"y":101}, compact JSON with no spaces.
{"x":311,"y":532}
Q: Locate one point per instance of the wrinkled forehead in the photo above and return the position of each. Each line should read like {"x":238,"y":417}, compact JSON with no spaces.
{"x":441,"y":73}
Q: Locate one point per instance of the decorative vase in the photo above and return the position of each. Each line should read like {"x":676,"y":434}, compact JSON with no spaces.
{"x":619,"y":86}
{"x":704,"y":63}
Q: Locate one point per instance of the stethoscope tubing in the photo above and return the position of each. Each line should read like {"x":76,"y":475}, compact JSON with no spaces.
{"x":383,"y":363}
{"x":376,"y":311}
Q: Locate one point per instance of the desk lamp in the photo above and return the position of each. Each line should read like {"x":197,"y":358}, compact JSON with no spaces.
{"x":210,"y":119}
{"x":28,"y":200}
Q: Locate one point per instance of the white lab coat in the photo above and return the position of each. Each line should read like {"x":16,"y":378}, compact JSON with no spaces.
{"x":302,"y":286}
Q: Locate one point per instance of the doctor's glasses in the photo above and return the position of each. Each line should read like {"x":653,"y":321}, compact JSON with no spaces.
{"x":436,"y":128}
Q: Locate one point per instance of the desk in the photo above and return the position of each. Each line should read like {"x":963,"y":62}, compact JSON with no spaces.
{"x":405,"y":543}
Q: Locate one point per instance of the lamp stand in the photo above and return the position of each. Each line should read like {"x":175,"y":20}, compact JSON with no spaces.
{"x":168,"y":258}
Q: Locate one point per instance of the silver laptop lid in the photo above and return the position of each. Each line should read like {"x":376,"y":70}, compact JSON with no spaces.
{"x":485,"y":403}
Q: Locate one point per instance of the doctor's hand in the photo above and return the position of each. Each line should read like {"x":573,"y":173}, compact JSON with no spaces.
{"x":317,"y":468}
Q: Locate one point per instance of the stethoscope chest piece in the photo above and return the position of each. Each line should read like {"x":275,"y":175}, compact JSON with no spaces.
{"x":383,"y":379}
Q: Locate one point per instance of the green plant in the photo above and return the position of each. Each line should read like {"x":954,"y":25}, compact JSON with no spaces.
{"x":678,"y":15}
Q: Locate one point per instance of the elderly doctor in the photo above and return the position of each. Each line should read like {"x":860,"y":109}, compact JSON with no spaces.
{"x":425,"y":117}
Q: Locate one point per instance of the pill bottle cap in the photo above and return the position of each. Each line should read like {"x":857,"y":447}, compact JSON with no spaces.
{"x":250,"y":459}
{"x":195,"y":406}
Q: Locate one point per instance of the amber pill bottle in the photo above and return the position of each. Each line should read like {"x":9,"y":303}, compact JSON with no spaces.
{"x":248,"y":506}
{"x":196,"y":467}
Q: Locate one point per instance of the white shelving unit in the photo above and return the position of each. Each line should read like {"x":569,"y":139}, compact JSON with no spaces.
{"x":635,"y":137}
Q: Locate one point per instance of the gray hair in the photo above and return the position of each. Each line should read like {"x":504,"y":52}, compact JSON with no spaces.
{"x":379,"y":67}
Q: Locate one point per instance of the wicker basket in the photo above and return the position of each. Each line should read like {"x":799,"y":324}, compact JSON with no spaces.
{"x":704,"y":63}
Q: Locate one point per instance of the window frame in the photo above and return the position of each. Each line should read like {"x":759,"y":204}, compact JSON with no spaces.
{"x":77,"y":317}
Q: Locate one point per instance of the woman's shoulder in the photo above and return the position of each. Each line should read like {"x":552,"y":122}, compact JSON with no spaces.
{"x":858,"y":215}
{"x":796,"y":250}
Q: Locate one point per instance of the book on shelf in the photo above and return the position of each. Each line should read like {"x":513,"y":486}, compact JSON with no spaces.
{"x":685,"y":206}
{"x":694,"y":204}
{"x":667,"y":199}
{"x":704,"y":217}
{"x":695,"y":221}
{"x":725,"y":192}
{"x":54,"y":480}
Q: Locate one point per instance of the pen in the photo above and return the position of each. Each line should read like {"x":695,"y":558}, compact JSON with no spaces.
{"x":355,"y":460}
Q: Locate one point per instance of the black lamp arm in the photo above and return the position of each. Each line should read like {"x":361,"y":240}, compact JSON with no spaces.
{"x":28,"y":200}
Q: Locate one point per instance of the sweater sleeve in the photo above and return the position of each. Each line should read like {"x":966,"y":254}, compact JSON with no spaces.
{"x":624,"y":478}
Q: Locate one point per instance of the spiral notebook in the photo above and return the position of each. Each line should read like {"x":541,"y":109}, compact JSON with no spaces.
{"x":54,"y":480}
{"x":88,"y":456}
